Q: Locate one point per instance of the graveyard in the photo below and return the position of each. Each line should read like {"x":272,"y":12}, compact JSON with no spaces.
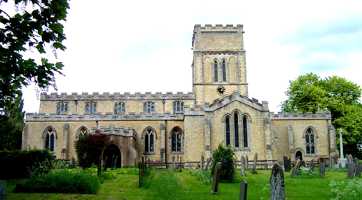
{"x":188,"y":184}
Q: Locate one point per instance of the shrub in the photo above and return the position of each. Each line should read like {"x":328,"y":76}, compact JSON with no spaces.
{"x":346,"y":190}
{"x":225,"y":155}
{"x":61,"y":181}
{"x":22,"y":164}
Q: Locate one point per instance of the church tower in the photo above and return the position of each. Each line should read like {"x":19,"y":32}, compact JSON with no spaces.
{"x":218,"y":67}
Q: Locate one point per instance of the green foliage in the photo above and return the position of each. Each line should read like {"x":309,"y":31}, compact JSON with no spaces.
{"x":11,"y":125}
{"x":346,"y":190}
{"x":225,"y":155}
{"x":61,"y":181}
{"x":310,"y":93}
{"x":30,"y":28}
{"x":22,"y":164}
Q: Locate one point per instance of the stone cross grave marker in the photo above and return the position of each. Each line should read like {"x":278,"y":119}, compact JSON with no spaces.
{"x":243,"y":190}
{"x":322,"y":168}
{"x":254,"y":164}
{"x":287,"y":163}
{"x":242,"y":166}
{"x":295,"y":169}
{"x":215,"y":179}
{"x":277,"y":187}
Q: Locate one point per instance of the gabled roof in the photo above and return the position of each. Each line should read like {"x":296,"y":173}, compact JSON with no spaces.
{"x":253,"y":103}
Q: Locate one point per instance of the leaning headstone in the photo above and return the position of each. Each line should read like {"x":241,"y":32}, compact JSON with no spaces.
{"x":208,"y":162}
{"x":277,"y":187}
{"x":243,"y":190}
{"x":322,"y":168}
{"x":287,"y":163}
{"x":254,"y":164}
{"x":242,"y":166}
{"x":202,"y":162}
{"x":215,"y":179}
{"x":295,"y":170}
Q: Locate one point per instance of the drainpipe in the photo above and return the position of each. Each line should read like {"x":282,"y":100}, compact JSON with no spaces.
{"x":166,"y":159}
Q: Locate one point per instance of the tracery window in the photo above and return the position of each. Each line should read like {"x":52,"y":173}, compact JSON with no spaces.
{"x":90,"y":107}
{"x":227,"y":130}
{"x":216,"y":71}
{"x":62,"y":107}
{"x":176,"y":140}
{"x":309,"y":141}
{"x":236,"y":129}
{"x":119,"y":107}
{"x":50,"y":139}
{"x":178,"y":106}
{"x":82,"y":131}
{"x":149,"y":140}
{"x":223,"y":69}
{"x":149,"y":107}
{"x":245,"y":131}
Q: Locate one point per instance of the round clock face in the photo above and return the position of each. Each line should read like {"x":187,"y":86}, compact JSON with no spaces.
{"x":221,"y":89}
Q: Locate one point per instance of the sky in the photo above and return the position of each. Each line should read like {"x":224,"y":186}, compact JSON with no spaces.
{"x":139,"y":46}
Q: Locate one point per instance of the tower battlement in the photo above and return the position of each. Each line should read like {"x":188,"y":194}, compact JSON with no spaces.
{"x":218,"y":27}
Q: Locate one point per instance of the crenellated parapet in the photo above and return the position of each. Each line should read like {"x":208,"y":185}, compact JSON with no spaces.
{"x":296,"y":116}
{"x":218,"y":28}
{"x":35,"y":117}
{"x":117,"y":96}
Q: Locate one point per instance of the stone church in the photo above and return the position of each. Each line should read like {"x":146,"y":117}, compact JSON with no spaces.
{"x":176,"y":127}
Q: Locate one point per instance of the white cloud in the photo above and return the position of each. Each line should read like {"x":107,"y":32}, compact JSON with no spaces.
{"x":145,"y":45}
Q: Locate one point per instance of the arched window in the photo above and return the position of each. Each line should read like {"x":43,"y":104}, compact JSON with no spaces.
{"x":82,"y":131}
{"x":227,"y":130}
{"x":149,"y":107}
{"x":236,"y":129}
{"x":216,"y":71}
{"x":119,"y":107}
{"x":149,"y":140}
{"x":176,"y":140}
{"x":178,"y":106}
{"x":223,"y":68}
{"x":50,"y":139}
{"x":309,"y":141}
{"x":245,"y":131}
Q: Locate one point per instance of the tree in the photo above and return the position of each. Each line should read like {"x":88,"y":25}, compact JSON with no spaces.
{"x":225,"y":155}
{"x":11,"y":125}
{"x":310,"y":93}
{"x":30,"y":27}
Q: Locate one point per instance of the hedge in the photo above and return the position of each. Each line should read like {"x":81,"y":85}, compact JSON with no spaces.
{"x":21,"y":164}
{"x":61,"y":181}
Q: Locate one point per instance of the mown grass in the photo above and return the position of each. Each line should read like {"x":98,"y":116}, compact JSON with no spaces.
{"x":171,"y":185}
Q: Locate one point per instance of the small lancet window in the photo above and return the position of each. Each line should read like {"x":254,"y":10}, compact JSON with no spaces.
{"x":149,"y":140}
{"x":62,"y":107}
{"x":309,"y":141}
{"x":119,"y":107}
{"x":90,"y":107}
{"x":227,"y":130}
{"x":178,"y":106}
{"x":223,"y":68}
{"x":245,"y":131}
{"x":236,"y":129}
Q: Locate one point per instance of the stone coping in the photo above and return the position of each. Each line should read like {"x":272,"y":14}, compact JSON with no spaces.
{"x":118,"y":96}
{"x":295,"y":116}
{"x":34,"y":117}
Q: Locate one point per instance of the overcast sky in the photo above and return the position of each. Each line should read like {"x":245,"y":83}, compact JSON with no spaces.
{"x":139,"y":46}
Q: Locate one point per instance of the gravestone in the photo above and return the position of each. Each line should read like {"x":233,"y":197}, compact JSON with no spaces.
{"x":242,"y":166}
{"x":287,"y":163}
{"x":311,"y":166}
{"x":358,"y":170}
{"x":202,"y":162}
{"x":295,"y":170}
{"x":351,"y":172}
{"x":208,"y":162}
{"x":277,"y":187}
{"x":216,"y":178}
{"x":247,"y":162}
{"x":254,"y":163}
{"x":322,"y":168}
{"x":243,"y":190}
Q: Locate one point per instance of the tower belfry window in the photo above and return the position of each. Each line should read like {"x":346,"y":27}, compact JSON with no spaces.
{"x":216,"y":71}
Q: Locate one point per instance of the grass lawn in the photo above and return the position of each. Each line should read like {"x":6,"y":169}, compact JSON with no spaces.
{"x":168,"y":184}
